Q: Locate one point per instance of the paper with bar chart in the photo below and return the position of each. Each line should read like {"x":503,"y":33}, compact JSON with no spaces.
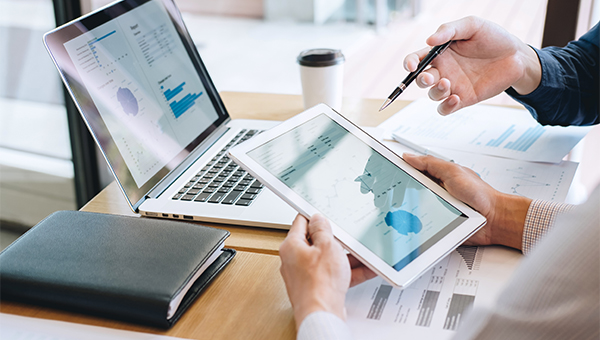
{"x":484,"y":129}
{"x":146,"y":89}
{"x":434,"y":305}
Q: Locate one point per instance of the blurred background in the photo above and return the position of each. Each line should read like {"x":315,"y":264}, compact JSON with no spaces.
{"x":247,"y":45}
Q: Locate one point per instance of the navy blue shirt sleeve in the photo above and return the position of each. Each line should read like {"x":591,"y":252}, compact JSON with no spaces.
{"x":568,"y":93}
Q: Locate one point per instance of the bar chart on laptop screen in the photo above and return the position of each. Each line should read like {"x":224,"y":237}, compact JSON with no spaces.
{"x":179,"y":107}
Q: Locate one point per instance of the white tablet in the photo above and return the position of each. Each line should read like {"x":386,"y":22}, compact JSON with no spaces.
{"x":394,"y":219}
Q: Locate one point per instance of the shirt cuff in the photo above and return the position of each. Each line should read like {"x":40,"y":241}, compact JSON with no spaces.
{"x":539,"y":219}
{"x":323,"y":325}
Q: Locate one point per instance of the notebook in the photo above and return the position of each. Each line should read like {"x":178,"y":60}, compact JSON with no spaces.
{"x":120,"y":267}
{"x":148,"y":101}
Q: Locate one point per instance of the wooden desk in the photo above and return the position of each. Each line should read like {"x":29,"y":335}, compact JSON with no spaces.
{"x":240,"y":105}
{"x":248,"y":299}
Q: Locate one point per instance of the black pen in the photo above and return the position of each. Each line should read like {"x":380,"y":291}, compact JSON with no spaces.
{"x":435,"y":51}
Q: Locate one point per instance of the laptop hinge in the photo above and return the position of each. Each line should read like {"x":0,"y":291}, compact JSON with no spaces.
{"x":161,"y":186}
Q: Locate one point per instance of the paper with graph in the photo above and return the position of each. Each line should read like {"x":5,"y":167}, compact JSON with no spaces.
{"x":434,"y":305}
{"x":484,"y":129}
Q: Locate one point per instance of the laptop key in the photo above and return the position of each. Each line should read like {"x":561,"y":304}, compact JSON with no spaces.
{"x":257,"y":185}
{"x":245,"y":182}
{"x":248,"y":196}
{"x":187,"y":197}
{"x":224,"y":190}
{"x":216,"y":198}
{"x":253,"y":190}
{"x":243,"y":202}
{"x":177,"y":196}
{"x":231,"y":197}
{"x":198,"y":186}
{"x":193,"y":191}
{"x":202,"y":197}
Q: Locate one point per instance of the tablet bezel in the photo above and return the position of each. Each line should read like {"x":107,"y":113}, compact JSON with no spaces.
{"x":412,"y":270}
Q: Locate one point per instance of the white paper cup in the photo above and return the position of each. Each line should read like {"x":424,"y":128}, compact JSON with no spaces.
{"x":322,"y":75}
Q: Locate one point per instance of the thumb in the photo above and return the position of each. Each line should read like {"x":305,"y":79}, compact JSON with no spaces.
{"x":319,"y":230}
{"x":433,"y":166}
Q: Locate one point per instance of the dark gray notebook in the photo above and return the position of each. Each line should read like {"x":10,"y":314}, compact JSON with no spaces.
{"x":126,"y":268}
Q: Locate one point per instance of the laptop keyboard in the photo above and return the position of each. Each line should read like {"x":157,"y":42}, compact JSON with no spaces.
{"x":222,"y":181}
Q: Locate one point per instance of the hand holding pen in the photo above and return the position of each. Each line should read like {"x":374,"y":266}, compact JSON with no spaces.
{"x":423,"y":64}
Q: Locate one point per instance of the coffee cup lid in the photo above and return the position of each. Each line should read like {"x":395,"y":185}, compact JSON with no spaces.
{"x":320,"y":57}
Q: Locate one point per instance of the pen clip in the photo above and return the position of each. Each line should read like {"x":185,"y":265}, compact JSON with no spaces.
{"x":444,"y":47}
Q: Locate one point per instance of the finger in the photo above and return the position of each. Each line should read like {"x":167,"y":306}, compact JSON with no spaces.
{"x":296,"y":239}
{"x":428,"y":78}
{"x":299,"y":229}
{"x":434,"y":166}
{"x":412,"y":60}
{"x":354,"y":262}
{"x":441,"y":90}
{"x":451,"y":104}
{"x":462,"y":29}
{"x":360,"y":275}
{"x":319,"y":230}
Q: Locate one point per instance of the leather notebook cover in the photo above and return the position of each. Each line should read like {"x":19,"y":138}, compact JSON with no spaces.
{"x":125,"y":268}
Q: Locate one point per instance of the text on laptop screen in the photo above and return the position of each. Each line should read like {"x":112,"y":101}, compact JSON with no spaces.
{"x":145,"y":87}
{"x":357,"y":188}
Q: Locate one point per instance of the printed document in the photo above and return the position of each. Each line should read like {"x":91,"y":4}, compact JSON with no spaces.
{"x":484,"y":129}
{"x":434,"y":305}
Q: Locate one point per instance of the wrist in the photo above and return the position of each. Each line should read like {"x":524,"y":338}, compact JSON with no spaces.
{"x":509,"y":220}
{"x":316,"y":305}
{"x":531,"y":70}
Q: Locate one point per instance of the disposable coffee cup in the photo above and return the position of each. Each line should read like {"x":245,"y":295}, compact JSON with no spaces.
{"x":322,"y":75}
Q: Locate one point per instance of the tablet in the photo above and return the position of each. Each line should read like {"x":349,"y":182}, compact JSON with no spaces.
{"x":390,"y":216}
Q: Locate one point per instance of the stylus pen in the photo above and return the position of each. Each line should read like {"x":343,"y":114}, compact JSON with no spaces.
{"x":419,"y":149}
{"x":435,"y":51}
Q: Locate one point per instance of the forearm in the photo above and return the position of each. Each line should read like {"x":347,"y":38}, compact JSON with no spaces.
{"x":568,"y":90}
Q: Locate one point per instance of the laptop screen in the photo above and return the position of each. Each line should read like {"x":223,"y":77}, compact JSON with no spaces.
{"x":141,"y":87}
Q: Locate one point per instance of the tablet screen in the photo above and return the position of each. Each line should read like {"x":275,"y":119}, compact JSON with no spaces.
{"x":371,"y":198}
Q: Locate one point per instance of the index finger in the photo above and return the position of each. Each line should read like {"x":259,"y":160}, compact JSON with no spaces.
{"x":412,"y":60}
{"x":462,"y":29}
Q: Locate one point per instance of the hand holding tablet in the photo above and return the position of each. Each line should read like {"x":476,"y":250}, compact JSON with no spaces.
{"x":390,"y":216}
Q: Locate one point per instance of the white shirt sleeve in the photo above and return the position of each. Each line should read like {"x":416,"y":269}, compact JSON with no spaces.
{"x":323,"y":325}
{"x":555,"y":291}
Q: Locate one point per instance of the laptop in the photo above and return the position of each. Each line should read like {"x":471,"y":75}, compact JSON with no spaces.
{"x":149,"y":103}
